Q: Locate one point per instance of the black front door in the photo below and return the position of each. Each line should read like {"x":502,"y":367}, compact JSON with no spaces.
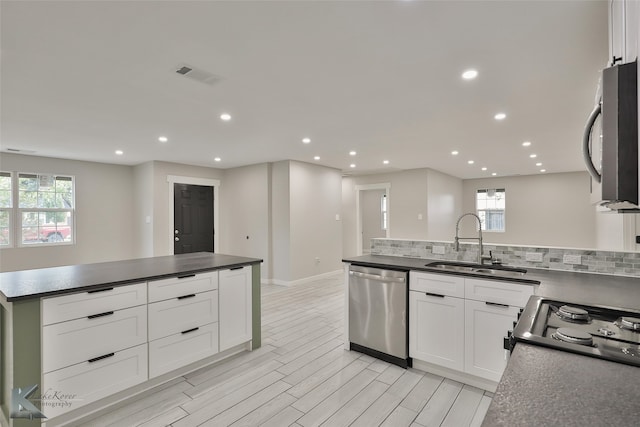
{"x":193,"y":218}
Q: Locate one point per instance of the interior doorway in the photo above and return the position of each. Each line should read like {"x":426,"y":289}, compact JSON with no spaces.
{"x":372,"y":214}
{"x":193,"y":218}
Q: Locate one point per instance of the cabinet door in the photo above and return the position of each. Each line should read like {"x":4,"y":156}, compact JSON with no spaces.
{"x":436,"y":329}
{"x":234,"y":297}
{"x":617,"y":38}
{"x":486,"y":324}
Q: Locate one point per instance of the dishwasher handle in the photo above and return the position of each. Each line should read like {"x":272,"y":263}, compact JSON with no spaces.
{"x":377,"y":277}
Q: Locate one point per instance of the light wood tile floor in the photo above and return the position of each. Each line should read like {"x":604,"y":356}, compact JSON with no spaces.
{"x":302,"y":376}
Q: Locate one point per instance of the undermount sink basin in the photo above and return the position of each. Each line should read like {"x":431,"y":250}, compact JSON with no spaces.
{"x":476,"y":268}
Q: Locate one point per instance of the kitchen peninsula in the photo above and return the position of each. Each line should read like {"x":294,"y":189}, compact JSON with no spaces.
{"x":95,"y":334}
{"x":546,"y":386}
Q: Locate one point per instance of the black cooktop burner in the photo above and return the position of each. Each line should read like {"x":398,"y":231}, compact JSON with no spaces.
{"x":604,"y":332}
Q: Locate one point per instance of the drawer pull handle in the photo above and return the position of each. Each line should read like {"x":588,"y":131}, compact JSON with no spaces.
{"x":434,"y":295}
{"x":236,"y":268}
{"x":106,"y":313}
{"x":186,"y":276}
{"x":495,"y":304}
{"x":189,"y":330}
{"x":99,"y":290}
{"x":95,"y":359}
{"x":187,"y":296}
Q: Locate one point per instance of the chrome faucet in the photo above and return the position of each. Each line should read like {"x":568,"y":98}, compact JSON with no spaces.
{"x":456,"y":247}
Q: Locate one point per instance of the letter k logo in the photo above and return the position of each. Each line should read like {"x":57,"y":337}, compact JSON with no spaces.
{"x":21,"y":407}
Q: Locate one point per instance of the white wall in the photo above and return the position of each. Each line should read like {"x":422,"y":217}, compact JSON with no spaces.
{"x":544,"y":210}
{"x":281,"y":239}
{"x":315,"y":233}
{"x":104,"y":207}
{"x":444,"y":205}
{"x":143,"y":209}
{"x":435,"y":196}
{"x":245,"y":213}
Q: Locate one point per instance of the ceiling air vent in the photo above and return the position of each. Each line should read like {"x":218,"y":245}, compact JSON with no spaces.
{"x":198,"y":75}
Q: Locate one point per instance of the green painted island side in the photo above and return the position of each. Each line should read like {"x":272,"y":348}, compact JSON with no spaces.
{"x":256,"y":314}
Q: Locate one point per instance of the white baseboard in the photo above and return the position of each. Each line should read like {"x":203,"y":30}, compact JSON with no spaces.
{"x":462,"y":377}
{"x":328,"y":275}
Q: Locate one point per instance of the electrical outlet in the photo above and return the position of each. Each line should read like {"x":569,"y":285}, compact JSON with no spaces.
{"x":438,"y":250}
{"x":572,"y":259}
{"x":533,"y":256}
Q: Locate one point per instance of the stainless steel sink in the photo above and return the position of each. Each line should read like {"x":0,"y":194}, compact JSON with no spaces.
{"x":501,"y":271}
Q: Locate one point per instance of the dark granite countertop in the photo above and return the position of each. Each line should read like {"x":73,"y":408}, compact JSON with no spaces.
{"x":567,"y":286}
{"x":25,"y":284}
{"x":547,"y":387}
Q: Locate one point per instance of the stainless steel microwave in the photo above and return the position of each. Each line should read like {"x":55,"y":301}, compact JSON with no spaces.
{"x":615,"y":178}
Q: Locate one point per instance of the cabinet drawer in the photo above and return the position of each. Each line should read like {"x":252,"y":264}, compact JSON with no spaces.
{"x":509,"y":293}
{"x":179,"y":314}
{"x":79,"y":340}
{"x":82,"y":304}
{"x":177,"y":350}
{"x":440,"y":284}
{"x":184,"y":285}
{"x":77,"y":385}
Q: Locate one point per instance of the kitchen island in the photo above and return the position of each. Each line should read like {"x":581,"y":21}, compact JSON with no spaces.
{"x":116,"y":329}
{"x":544,"y":386}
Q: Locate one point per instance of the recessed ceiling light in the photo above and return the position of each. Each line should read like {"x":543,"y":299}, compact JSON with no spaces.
{"x":217,"y":159}
{"x":386,"y":162}
{"x":306,"y":140}
{"x":538,"y":164}
{"x":225,"y":116}
{"x":352,"y":165}
{"x":533,"y":156}
{"x":526,"y":143}
{"x":470,"y":162}
{"x":352,"y":153}
{"x":484,"y":169}
{"x":500,"y":116}
{"x":470,"y":74}
{"x":454,"y":153}
{"x":543,"y":170}
{"x":119,"y":152}
{"x":493,"y":174}
{"x":163,"y":139}
{"x":316,"y":158}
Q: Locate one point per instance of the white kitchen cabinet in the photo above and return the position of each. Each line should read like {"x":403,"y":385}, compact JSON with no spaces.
{"x":234,"y":286}
{"x":624,"y":28}
{"x":93,"y":344}
{"x":183,"y":321}
{"x":436,"y":329}
{"x":459,"y":322}
{"x":486,"y":324}
{"x":82,"y":383}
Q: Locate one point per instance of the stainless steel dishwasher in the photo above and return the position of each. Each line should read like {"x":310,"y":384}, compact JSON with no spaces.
{"x":378,"y":316}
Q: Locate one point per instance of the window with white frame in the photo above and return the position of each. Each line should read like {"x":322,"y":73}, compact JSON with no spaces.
{"x":490,"y":206}
{"x":384,"y":211}
{"x":6,"y":203}
{"x":45,"y":209}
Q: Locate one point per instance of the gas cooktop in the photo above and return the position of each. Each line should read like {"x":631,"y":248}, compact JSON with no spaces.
{"x":603,"y":332}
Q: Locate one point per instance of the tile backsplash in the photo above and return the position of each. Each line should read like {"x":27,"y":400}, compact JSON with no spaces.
{"x":580,"y":260}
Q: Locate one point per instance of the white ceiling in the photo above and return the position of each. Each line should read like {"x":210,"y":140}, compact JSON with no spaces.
{"x":80,"y":80}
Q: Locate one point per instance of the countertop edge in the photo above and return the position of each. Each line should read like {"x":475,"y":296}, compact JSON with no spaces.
{"x":16,"y":296}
